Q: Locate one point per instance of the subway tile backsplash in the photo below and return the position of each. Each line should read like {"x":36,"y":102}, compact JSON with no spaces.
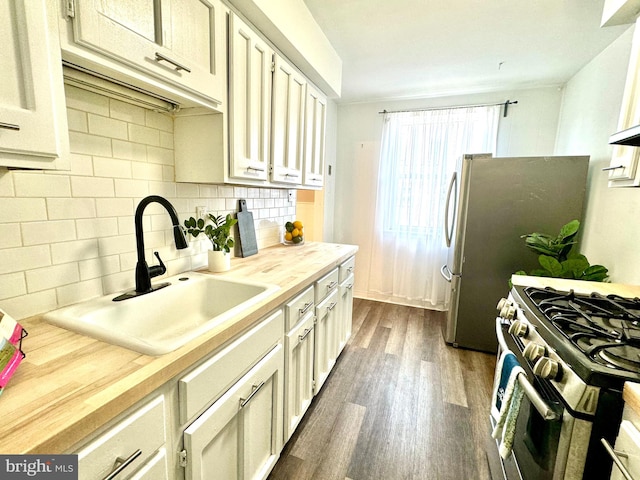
{"x":69,"y":236}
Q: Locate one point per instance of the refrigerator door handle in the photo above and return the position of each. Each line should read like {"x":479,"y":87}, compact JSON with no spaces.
{"x":448,"y":228}
{"x":446,"y":273}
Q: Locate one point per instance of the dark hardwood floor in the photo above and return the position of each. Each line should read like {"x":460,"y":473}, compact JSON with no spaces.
{"x":399,"y":404}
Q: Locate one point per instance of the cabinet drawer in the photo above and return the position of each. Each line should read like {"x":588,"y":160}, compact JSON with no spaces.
{"x":327,"y":304}
{"x":628,"y":443}
{"x":296,"y":308}
{"x":347,"y":268}
{"x":211,"y":379}
{"x":326,"y":285}
{"x":144,"y":430}
{"x":154,"y":469}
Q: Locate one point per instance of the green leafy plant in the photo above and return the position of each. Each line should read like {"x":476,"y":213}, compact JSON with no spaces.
{"x":218,"y":231}
{"x":559,"y":257}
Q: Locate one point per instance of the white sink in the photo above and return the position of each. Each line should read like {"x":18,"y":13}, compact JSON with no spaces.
{"x":163,"y":320}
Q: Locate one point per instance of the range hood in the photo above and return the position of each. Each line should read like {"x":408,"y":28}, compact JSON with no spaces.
{"x":630,"y":136}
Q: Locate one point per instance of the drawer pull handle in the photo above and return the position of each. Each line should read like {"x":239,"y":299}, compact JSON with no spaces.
{"x":163,"y":58}
{"x":255,"y":169}
{"x":612,"y":168}
{"x":306,"y":308}
{"x":332,"y":306}
{"x":331,"y":285}
{"x":9,"y":126}
{"x":615,"y":456}
{"x":254,"y":390}
{"x":350,"y":286}
{"x":121,"y":464}
{"x":307,"y":331}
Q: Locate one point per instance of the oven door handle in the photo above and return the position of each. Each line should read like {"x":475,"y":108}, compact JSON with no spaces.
{"x":536,"y":400}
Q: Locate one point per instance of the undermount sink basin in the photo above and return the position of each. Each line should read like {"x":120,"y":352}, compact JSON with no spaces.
{"x":165,"y":319}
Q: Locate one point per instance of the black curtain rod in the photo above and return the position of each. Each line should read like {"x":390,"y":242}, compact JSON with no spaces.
{"x":504,"y":114}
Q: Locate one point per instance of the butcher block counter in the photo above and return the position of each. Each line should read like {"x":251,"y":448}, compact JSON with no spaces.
{"x":70,"y":385}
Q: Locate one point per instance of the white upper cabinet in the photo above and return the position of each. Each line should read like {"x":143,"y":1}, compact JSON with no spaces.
{"x":314,"y":138}
{"x":250,"y":77}
{"x":287,"y":124}
{"x":623,"y":169}
{"x":33,"y":126}
{"x":619,"y":12}
{"x":182,"y":42}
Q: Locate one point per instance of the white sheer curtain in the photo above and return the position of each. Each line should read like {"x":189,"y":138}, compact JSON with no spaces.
{"x":419,"y":153}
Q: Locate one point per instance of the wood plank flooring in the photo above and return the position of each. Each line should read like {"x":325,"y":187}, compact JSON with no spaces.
{"x":399,"y":404}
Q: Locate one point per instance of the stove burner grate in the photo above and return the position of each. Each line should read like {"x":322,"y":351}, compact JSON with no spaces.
{"x":605,"y":328}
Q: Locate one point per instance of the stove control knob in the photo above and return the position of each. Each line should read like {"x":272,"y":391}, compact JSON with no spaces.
{"x":508,"y":312}
{"x":519,"y":329}
{"x":501,"y":304}
{"x":547,"y":369}
{"x":534,"y":351}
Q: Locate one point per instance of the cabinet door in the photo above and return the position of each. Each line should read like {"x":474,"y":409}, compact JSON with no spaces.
{"x":346,"y":312}
{"x":289,"y":91}
{"x":298,"y":367}
{"x":628,"y":450}
{"x":314,"y":138}
{"x":196,"y":37}
{"x":250,"y":63}
{"x":32,"y":111}
{"x":181,"y":41}
{"x":623,"y":169}
{"x":326,"y":348}
{"x":240,"y":435}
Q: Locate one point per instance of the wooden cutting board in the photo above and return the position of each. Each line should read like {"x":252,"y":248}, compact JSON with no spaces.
{"x":246,"y":231}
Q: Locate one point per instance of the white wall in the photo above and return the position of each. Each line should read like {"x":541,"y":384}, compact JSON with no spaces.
{"x":589,"y":114}
{"x":529,"y":129}
{"x":69,"y":236}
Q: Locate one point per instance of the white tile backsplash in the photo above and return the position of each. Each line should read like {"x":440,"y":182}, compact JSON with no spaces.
{"x":69,"y":236}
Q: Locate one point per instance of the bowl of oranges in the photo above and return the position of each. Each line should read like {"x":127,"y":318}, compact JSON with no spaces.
{"x":293,"y":233}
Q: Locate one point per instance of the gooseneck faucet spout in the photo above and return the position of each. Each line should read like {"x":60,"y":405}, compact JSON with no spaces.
{"x":144,"y":273}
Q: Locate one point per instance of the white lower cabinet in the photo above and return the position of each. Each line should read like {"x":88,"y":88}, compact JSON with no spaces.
{"x":134,"y":446}
{"x":326,"y":348}
{"x":240,"y":435}
{"x":229,"y":415}
{"x":627,"y":450}
{"x":299,"y":345}
{"x":346,"y":312}
{"x":346,"y":279}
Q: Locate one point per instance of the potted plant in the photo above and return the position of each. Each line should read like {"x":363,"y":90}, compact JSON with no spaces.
{"x":219,"y":233}
{"x":560,"y":258}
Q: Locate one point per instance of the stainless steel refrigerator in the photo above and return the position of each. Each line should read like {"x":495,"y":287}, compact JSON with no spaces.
{"x":491,"y":203}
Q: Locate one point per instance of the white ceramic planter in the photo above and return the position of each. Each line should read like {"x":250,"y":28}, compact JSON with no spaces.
{"x":219,"y":261}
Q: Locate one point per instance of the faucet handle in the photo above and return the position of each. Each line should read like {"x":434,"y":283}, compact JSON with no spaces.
{"x":156,"y":270}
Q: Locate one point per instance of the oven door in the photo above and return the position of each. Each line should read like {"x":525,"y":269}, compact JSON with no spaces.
{"x":537,"y":438}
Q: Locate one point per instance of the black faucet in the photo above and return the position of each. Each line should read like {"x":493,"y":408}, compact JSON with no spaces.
{"x":144,"y":273}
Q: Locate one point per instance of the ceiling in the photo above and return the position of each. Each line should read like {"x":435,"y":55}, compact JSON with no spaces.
{"x":427,"y":48}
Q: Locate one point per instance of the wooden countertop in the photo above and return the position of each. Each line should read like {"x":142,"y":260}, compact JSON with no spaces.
{"x":70,"y":385}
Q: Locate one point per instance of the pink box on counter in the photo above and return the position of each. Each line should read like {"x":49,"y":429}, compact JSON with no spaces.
{"x":11,"y":354}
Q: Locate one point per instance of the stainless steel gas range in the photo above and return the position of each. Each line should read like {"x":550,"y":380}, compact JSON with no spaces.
{"x":577,"y":348}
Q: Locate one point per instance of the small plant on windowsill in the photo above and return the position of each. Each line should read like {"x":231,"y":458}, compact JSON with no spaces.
{"x":560,"y":258}
{"x":219,"y":233}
